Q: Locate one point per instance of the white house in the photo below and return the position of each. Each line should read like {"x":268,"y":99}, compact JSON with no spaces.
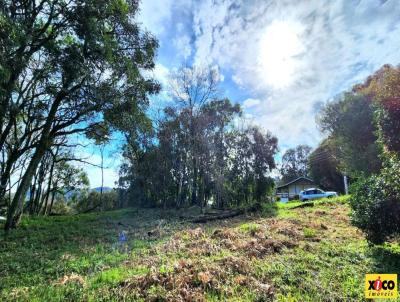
{"x":291,"y":189}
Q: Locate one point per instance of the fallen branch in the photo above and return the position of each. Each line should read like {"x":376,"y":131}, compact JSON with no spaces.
{"x":304,"y":205}
{"x":206,"y":218}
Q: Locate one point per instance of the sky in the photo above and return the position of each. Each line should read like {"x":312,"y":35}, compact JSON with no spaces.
{"x":281,"y":59}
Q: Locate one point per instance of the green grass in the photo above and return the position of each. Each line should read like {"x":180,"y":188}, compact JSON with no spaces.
{"x":296,"y":203}
{"x":309,"y":233}
{"x":298,"y":254}
{"x":250,"y":228}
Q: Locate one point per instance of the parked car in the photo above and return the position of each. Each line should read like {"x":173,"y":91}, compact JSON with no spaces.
{"x":313,"y":193}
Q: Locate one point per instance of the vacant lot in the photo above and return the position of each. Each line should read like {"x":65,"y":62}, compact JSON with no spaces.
{"x":295,"y":254}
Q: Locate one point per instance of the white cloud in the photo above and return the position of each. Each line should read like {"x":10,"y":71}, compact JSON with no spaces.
{"x":289,"y":55}
{"x":249,"y":103}
{"x":155,"y":14}
{"x":183,"y":46}
{"x":317,"y":49}
{"x":161,"y":74}
{"x":94,"y":175}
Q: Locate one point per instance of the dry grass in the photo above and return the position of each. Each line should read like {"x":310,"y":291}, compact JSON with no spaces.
{"x":302,"y":254}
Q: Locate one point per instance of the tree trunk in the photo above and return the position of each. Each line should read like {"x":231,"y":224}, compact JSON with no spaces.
{"x":102,"y":175}
{"x":53,"y":195}
{"x":15,"y":211}
{"x":194,"y":187}
{"x":32,"y":193}
{"x":5,"y":176}
{"x":5,"y":133}
{"x":38,"y":196}
{"x":46,"y":196}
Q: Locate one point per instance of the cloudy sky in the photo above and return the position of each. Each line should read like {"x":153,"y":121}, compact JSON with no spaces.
{"x":280,"y":59}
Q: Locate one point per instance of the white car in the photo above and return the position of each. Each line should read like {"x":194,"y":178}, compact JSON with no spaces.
{"x":313,"y":193}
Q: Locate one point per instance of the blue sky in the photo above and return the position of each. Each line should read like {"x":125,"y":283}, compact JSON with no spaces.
{"x":280,"y":59}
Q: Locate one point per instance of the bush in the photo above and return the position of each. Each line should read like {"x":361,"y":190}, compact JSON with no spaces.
{"x":375,"y":204}
{"x":60,"y":207}
{"x":96,"y":202}
{"x":269,"y":209}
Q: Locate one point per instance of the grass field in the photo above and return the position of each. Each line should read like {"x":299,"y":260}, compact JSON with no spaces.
{"x":299,"y":253}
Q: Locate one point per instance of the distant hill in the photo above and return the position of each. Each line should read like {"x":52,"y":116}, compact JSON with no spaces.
{"x":69,"y":194}
{"x":98,"y":189}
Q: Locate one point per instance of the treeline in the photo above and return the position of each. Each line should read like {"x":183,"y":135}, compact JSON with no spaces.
{"x":200,"y":152}
{"x":363,"y":134}
{"x":66,"y":68}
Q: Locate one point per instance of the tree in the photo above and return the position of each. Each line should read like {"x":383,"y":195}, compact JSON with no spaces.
{"x":66,"y":67}
{"x":365,"y":124}
{"x":350,"y":122}
{"x":196,"y":155}
{"x":192,"y":88}
{"x":295,"y":163}
{"x":375,"y":200}
{"x":264,"y":147}
{"x":67,"y":180}
{"x":383,"y":89}
{"x":325,"y":166}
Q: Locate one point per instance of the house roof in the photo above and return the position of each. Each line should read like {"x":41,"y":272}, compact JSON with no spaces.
{"x":295,"y":180}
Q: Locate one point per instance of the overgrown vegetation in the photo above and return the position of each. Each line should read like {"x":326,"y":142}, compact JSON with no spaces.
{"x":376,"y":204}
{"x":80,"y":71}
{"x":371,"y":112}
{"x":294,"y":255}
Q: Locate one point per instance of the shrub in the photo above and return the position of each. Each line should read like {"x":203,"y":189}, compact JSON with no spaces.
{"x":97,"y":202}
{"x":375,"y":204}
{"x":60,"y":207}
{"x":269,"y":209}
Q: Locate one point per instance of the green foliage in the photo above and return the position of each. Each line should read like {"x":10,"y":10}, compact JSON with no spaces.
{"x":295,"y":163}
{"x":97,"y":201}
{"x":376,"y":199}
{"x":115,"y":275}
{"x":198,"y":156}
{"x":325,"y":166}
{"x":349,"y":122}
{"x":60,"y":207}
{"x":376,"y":203}
{"x":80,"y":68}
{"x":383,"y":88}
{"x":269,"y":209}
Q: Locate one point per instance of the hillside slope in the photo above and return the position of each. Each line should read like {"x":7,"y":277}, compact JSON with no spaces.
{"x":298,"y":254}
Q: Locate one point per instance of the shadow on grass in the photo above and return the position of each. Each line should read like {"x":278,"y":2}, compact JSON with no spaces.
{"x":386,"y":258}
{"x":47,"y":248}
